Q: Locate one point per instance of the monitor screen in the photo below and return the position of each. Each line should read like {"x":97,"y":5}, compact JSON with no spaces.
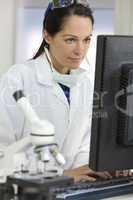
{"x":112,"y":122}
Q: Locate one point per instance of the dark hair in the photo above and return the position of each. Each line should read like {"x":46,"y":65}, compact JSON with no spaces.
{"x":54,"y":19}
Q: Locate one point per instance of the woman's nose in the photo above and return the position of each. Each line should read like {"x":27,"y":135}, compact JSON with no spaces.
{"x":79,"y":48}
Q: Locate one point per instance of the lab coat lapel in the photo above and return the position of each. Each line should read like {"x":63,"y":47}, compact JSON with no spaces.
{"x":74,"y":135}
{"x":58,"y":92}
{"x":78,"y":126}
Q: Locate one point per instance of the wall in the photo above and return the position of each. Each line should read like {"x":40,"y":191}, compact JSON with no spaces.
{"x":124,"y":17}
{"x":43,"y":3}
{"x":7,"y":33}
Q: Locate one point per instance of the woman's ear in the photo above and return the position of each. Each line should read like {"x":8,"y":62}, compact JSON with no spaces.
{"x":47,"y":37}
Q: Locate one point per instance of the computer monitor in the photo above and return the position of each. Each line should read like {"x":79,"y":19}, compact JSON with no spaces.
{"x":112,"y":121}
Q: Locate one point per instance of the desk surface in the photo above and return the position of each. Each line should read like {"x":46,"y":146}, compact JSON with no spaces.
{"x":123,"y":197}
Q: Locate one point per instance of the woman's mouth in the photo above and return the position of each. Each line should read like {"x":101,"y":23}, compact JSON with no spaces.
{"x":75,"y":59}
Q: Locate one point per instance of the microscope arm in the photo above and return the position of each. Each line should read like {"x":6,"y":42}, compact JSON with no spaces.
{"x":38,"y":126}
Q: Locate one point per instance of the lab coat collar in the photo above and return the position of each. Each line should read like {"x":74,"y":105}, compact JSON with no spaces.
{"x":44,"y":72}
{"x":44,"y":77}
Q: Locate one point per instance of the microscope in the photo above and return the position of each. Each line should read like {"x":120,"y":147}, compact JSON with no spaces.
{"x":42,"y":140}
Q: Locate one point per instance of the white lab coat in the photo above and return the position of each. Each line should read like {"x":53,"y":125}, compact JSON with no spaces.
{"x":72,"y":122}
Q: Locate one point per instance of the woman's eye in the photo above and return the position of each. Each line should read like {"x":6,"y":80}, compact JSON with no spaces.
{"x":87,"y":40}
{"x":70,"y":40}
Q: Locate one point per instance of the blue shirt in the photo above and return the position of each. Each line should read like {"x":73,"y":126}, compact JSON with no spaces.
{"x":66,"y":91}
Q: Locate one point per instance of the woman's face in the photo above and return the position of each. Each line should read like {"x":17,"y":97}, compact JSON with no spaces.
{"x":69,"y":46}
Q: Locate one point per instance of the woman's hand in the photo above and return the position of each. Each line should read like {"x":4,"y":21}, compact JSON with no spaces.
{"x":84,"y":173}
{"x":120,"y":173}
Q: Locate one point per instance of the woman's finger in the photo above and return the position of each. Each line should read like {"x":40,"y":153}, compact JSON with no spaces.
{"x":83,"y":178}
{"x":104,"y":175}
{"x":123,"y":173}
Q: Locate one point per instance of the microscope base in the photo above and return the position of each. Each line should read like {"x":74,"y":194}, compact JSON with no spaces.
{"x":38,"y":188}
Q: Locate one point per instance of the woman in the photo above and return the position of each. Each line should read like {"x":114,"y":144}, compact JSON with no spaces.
{"x":58,"y":89}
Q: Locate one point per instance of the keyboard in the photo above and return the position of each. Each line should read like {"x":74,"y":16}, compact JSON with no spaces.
{"x":95,"y":190}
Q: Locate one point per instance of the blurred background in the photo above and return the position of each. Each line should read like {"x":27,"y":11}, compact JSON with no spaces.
{"x":21,"y":28}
